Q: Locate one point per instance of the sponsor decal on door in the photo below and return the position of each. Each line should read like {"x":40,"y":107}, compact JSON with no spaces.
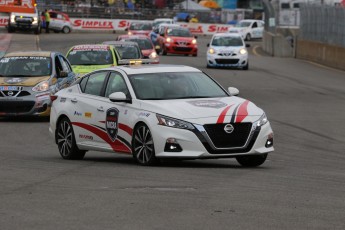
{"x":111,"y":123}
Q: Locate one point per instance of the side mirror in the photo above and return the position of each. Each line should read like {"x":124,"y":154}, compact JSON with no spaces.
{"x":63,"y":74}
{"x":233,"y":91}
{"x":208,"y":45}
{"x":119,"y":97}
{"x":247,"y":45}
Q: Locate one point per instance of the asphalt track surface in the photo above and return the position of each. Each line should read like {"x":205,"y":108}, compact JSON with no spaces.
{"x":300,"y":186}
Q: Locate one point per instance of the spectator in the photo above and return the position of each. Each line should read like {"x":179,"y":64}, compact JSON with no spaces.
{"x":47,"y":18}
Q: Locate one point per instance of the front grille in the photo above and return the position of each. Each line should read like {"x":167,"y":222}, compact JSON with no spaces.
{"x":227,"y":61}
{"x":227,"y":54}
{"x":183,"y":49}
{"x":16,"y":106}
{"x":15,"y":93}
{"x":236,"y":139}
{"x":182,"y":43}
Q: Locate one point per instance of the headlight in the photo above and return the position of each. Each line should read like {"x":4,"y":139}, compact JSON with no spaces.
{"x":243,"y":51}
{"x":263,"y":120}
{"x":40,"y":87}
{"x":129,"y":33}
{"x":35,"y":20}
{"x":211,"y":51}
{"x":194,"y":41}
{"x":173,"y":123}
{"x":153,"y":55}
{"x":169,"y":40}
{"x":12,"y":18}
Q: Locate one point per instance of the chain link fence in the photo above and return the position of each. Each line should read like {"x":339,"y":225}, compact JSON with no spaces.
{"x":323,"y":24}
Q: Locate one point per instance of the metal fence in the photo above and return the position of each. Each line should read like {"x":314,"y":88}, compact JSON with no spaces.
{"x":323,"y":24}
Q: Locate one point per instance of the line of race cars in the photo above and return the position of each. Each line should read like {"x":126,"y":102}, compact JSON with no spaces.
{"x":102,"y":97}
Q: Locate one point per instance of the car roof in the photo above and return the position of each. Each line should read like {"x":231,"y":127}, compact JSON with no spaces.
{"x":141,"y":36}
{"x":227,"y":35}
{"x":29,"y":53}
{"x":168,"y":25}
{"x":156,"y":68}
{"x":114,"y":43}
{"x":90,"y":46}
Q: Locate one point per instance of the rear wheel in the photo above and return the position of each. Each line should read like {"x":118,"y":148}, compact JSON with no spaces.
{"x":248,"y":37}
{"x":66,"y":141}
{"x":10,"y":29}
{"x":164,"y":51}
{"x":66,"y":30}
{"x":251,"y":161}
{"x":143,"y":146}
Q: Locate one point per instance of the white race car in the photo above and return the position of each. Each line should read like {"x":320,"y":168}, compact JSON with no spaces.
{"x":227,"y":50}
{"x":249,"y":28}
{"x":158,"y":111}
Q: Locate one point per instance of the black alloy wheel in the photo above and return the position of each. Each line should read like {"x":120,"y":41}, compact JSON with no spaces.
{"x":143,"y":146}
{"x":66,"y":141}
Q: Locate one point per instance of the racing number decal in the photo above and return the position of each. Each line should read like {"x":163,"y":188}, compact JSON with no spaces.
{"x":111,"y":123}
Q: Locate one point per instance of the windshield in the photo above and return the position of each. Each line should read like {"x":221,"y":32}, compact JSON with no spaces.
{"x":128,"y":51}
{"x":227,"y":41}
{"x":243,"y":24}
{"x":178,"y":85}
{"x":25,"y":66}
{"x":90,"y":57}
{"x":140,"y":26}
{"x":179,"y":32}
{"x":144,"y":44}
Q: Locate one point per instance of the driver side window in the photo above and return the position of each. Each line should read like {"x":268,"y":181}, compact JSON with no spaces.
{"x":116,"y":83}
{"x":95,"y":83}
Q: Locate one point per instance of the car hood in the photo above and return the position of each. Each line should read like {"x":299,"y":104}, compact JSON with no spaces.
{"x":22,"y":81}
{"x":200,"y":111}
{"x":224,"y":49}
{"x":237,"y":29}
{"x":83,"y":69}
{"x":182,"y":39}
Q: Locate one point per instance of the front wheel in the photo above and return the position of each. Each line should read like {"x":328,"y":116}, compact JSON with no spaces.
{"x":248,"y":37}
{"x":143,"y":146}
{"x":66,"y":141}
{"x":246,"y":67}
{"x":66,"y":30}
{"x":251,"y":161}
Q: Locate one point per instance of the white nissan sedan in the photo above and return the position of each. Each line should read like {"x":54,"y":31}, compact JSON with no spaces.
{"x":158,"y":111}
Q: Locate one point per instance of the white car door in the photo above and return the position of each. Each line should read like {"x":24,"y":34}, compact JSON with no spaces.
{"x":257,"y":29}
{"x":88,"y":131}
{"x":114,"y":117}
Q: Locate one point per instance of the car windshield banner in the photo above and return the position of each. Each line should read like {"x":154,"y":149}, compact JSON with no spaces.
{"x":111,"y":123}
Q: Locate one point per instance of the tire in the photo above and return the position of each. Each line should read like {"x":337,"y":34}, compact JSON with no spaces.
{"x":164,"y":52}
{"x":246,"y":67}
{"x":66,"y":141}
{"x":143,"y":146}
{"x":251,"y":161}
{"x":195,"y":55}
{"x":248,"y":37}
{"x":10,"y":29}
{"x":66,"y":30}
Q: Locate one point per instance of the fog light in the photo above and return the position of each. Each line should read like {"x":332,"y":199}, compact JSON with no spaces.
{"x":269,"y":142}
{"x":172,"y":145}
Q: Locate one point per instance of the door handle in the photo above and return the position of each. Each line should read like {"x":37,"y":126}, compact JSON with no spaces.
{"x":74,"y":100}
{"x":100,"y":109}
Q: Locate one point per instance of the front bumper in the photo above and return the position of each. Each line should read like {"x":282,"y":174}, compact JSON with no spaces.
{"x":196,"y":144}
{"x":177,"y":49}
{"x":25,"y":103}
{"x":237,"y":61}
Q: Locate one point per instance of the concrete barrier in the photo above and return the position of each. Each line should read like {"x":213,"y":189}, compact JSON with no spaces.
{"x":278,"y":45}
{"x":328,"y":55}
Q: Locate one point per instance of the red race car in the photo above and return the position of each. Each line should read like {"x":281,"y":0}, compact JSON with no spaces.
{"x":177,"y":40}
{"x":143,"y":28}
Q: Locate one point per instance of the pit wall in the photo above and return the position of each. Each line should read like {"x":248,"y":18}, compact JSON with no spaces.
{"x":285,"y":43}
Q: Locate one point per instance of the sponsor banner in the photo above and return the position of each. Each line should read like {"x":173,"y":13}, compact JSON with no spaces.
{"x":122,"y":24}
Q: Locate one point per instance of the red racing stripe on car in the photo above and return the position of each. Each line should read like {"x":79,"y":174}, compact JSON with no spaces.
{"x":242,"y":112}
{"x":126,"y":128}
{"x":117,"y":146}
{"x":223,"y":114}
